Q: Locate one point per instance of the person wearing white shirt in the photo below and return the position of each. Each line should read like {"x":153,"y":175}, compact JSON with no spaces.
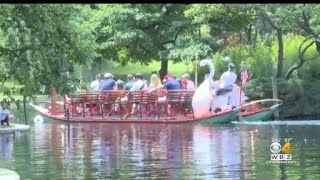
{"x":96,"y":83}
{"x":139,"y":84}
{"x":227,"y":80}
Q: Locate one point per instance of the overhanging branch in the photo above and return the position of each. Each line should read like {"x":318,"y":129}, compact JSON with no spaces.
{"x":301,"y":53}
{"x":302,"y":60}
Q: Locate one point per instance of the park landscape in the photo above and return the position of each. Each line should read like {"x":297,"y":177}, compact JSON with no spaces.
{"x":66,"y":45}
{"x":84,"y":40}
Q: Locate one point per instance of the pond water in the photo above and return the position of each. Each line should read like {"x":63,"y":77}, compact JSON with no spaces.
{"x":160,"y":151}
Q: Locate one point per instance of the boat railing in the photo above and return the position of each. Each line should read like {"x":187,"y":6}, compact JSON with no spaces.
{"x":115,"y":102}
{"x":178,"y":102}
{"x":273,"y":101}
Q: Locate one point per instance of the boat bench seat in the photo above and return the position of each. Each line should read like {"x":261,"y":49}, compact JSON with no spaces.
{"x":108,"y":103}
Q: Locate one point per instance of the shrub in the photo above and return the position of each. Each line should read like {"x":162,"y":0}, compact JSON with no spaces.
{"x":300,"y":97}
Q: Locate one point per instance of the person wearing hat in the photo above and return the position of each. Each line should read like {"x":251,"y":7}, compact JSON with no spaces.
{"x":107,"y":83}
{"x":171,"y":83}
{"x":227,"y":80}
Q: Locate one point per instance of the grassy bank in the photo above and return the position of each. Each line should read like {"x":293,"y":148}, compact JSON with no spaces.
{"x":176,"y":68}
{"x":118,"y":70}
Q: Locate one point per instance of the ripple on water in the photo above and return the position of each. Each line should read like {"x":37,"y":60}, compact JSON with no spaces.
{"x":281,"y":122}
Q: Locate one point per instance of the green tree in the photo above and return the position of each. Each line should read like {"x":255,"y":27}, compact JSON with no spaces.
{"x":304,"y":21}
{"x":221,"y":17}
{"x":143,"y":33}
{"x":41,"y":44}
{"x":292,"y":18}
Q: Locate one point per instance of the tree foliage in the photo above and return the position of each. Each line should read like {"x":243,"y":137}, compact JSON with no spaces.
{"x":143,"y":33}
{"x":42,"y":42}
{"x":221,"y":17}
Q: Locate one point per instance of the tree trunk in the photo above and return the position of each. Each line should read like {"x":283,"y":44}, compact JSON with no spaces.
{"x":280,"y":42}
{"x":255,"y":38}
{"x":249,"y":30}
{"x":164,"y":68}
{"x":280,"y":53}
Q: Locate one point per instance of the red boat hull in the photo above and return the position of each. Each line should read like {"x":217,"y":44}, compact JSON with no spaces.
{"x":110,"y":119}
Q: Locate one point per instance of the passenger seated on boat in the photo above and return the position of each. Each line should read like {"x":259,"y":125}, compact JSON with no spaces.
{"x":120,"y":88}
{"x":130,"y":82}
{"x":186,"y":82}
{"x":4,"y":115}
{"x":154,"y":81}
{"x":155,"y":87}
{"x":139,"y":85}
{"x":169,"y":84}
{"x":119,"y":85}
{"x":96,"y":83}
{"x":226,"y":81}
{"x":107,"y":83}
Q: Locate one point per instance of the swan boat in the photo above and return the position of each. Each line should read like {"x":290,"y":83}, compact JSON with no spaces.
{"x":179,"y":106}
{"x":101,"y":107}
{"x":246,"y":112}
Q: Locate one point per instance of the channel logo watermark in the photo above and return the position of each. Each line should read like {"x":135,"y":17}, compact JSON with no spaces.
{"x":281,"y":153}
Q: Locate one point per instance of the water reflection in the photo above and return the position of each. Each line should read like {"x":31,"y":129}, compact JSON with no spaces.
{"x":176,"y":151}
{"x":6,"y":148}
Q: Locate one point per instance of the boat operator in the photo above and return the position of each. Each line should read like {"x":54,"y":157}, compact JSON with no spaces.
{"x":226,"y":81}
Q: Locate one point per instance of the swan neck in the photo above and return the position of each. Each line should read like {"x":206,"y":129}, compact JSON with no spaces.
{"x":211,"y":67}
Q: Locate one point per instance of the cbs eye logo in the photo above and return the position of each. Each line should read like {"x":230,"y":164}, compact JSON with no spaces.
{"x":276,"y":148}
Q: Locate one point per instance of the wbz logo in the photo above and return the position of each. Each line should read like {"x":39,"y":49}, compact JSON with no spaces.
{"x":281,"y":153}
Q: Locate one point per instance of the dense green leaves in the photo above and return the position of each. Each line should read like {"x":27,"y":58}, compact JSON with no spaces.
{"x":138,"y":33}
{"x":300,"y":97}
{"x":42,"y":42}
{"x":221,"y":17}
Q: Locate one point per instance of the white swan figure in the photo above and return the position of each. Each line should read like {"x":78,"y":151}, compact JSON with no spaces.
{"x":202,"y":98}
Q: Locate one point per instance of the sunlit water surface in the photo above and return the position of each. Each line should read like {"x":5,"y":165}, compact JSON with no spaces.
{"x":160,"y":151}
